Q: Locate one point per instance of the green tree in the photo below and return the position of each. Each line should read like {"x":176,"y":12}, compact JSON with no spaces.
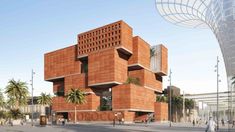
{"x":189,"y":104}
{"x":177,"y":106}
{"x":76,"y":97}
{"x":17,"y":92}
{"x":44,"y":99}
{"x":2,"y":101}
{"x":161,"y":99}
{"x":15,"y":113}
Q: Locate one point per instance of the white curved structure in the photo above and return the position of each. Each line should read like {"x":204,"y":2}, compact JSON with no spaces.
{"x":218,"y":15}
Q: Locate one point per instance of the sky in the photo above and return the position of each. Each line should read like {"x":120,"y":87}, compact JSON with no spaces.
{"x":31,"y":28}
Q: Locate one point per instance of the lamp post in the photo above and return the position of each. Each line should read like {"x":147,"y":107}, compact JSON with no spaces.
{"x":183,"y":106}
{"x":170,"y":95}
{"x":217,"y":82}
{"x":32,"y":105}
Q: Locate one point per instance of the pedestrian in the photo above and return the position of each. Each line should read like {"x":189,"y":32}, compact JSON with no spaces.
{"x":193,"y":122}
{"x":211,"y":125}
{"x":233,"y":123}
{"x":114,"y":119}
{"x":119,"y":120}
{"x":63,"y":121}
{"x":113,"y":122}
{"x":222,"y":121}
{"x":122,"y":120}
{"x":146,"y":120}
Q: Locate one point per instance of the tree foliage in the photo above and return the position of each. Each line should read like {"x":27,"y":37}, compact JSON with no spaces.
{"x":189,"y":104}
{"x":2,"y":100}
{"x":75,"y":96}
{"x":17,"y":92}
{"x":15,"y":114}
{"x":44,"y":99}
{"x":162,"y":99}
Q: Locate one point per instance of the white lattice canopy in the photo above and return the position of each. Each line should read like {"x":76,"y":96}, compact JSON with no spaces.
{"x":218,"y":15}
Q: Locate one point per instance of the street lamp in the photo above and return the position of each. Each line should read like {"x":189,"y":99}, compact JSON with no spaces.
{"x":32,"y":105}
{"x":217,"y":104}
{"x":170,"y":94}
{"x":183,"y":107}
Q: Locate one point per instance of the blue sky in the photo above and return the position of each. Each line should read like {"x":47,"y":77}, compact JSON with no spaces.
{"x":30,"y":28}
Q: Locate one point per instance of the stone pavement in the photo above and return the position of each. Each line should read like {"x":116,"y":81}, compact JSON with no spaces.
{"x":92,"y":127}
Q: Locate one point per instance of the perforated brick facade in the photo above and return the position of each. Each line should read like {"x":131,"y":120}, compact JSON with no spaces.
{"x":100,"y":64}
{"x":117,"y":34}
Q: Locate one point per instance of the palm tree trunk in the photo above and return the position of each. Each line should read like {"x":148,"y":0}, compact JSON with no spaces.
{"x":75,"y":114}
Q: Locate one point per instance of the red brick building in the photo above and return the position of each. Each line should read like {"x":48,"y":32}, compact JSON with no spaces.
{"x":100,"y":64}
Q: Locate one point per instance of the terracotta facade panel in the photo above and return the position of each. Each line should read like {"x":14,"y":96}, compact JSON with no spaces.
{"x":60,"y":104}
{"x":130,"y":96}
{"x":61,"y":63}
{"x":141,"y":53}
{"x":101,"y":67}
{"x":161,"y":111}
{"x":75,"y":81}
{"x":147,"y":79}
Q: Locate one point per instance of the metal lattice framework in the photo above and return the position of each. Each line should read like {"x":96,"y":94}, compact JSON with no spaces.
{"x":218,"y":15}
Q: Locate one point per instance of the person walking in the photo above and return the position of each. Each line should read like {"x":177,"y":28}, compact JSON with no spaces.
{"x":211,"y":125}
{"x":222,"y":121}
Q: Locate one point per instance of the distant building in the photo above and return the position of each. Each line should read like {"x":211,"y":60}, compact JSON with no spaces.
{"x":175,"y":91}
{"x":37,"y":108}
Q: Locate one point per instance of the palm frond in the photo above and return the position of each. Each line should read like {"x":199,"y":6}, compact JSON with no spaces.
{"x":75,"y":96}
{"x":18,"y":91}
{"x":45,"y":99}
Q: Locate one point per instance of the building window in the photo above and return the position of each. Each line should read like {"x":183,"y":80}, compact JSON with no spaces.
{"x":84,"y":66}
{"x":106,"y":101}
{"x":60,"y":91}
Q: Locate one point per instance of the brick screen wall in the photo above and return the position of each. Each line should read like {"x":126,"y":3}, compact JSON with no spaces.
{"x":112,"y":35}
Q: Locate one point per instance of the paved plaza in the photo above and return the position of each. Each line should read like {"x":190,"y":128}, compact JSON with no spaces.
{"x":87,"y":127}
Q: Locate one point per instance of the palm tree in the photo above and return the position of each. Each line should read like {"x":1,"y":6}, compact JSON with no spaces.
{"x":161,"y":99}
{"x":189,"y":104}
{"x":2,"y":101}
{"x":177,"y":105}
{"x":44,"y":99}
{"x":76,"y":97}
{"x":17,"y":91}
